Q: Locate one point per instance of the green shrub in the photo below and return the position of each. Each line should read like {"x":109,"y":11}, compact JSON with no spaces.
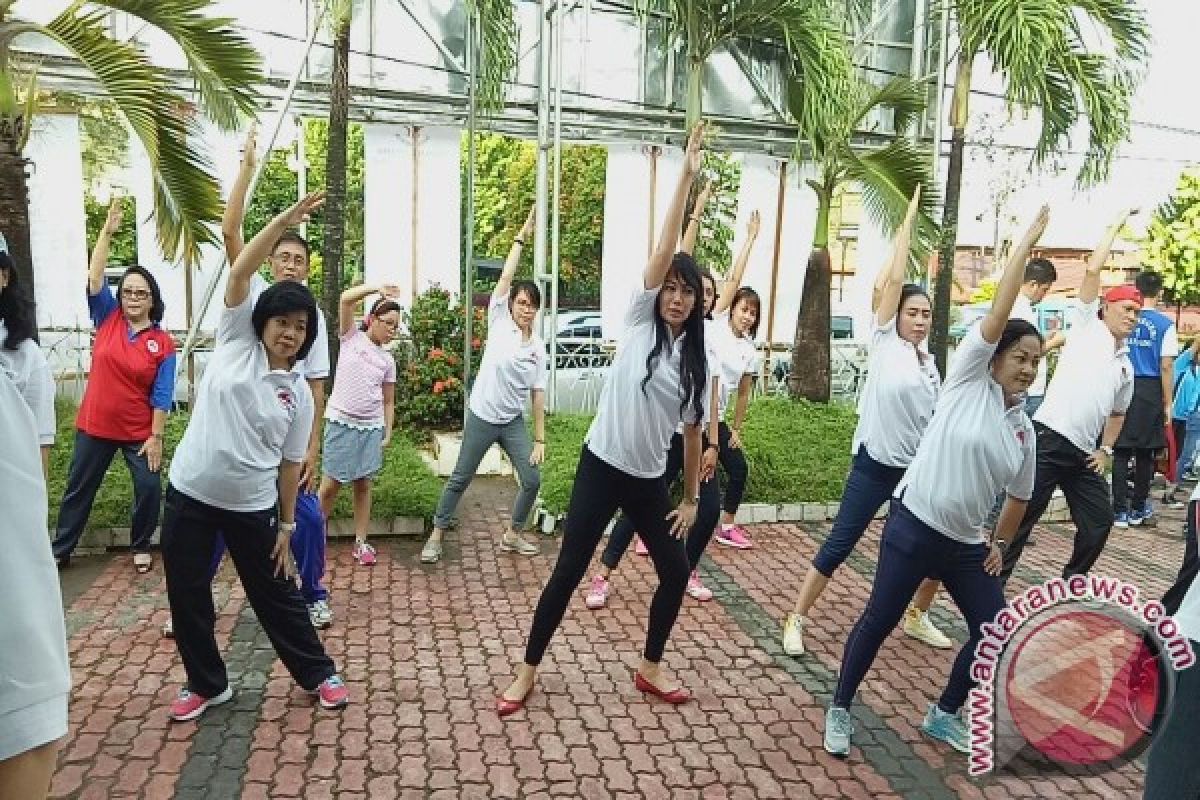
{"x":798,"y":452}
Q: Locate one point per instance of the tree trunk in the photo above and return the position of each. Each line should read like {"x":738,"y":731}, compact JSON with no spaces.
{"x":810,"y":376}
{"x":335,"y":182}
{"x":940,"y":334}
{"x":695,"y":92}
{"x":14,"y":202}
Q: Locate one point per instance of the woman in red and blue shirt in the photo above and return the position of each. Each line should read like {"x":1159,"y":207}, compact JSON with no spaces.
{"x":129,"y":392}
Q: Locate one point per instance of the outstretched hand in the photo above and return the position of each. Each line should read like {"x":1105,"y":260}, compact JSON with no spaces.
{"x":300,"y":212}
{"x":1037,"y":227}
{"x":753,"y":226}
{"x":390,"y":291}
{"x":527,"y":228}
{"x":250,"y":148}
{"x":112,"y":222}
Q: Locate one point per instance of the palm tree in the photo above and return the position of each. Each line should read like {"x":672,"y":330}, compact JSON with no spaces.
{"x":1040,"y":48}
{"x":887,"y":177}
{"x":226,"y":71}
{"x":340,"y":16}
{"x":808,"y":31}
{"x":498,"y":37}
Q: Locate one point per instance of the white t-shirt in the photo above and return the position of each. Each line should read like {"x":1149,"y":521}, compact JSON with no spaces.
{"x":898,"y":398}
{"x":974,"y":448}
{"x":1023,"y":309}
{"x":510,"y":368}
{"x":1094,"y":379}
{"x":248,"y":418}
{"x":733,"y":357}
{"x":33,"y":639}
{"x":633,"y":425}
{"x":316,"y":366}
{"x":31,"y":374}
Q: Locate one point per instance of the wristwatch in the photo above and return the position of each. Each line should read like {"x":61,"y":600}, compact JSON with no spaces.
{"x":1001,"y":545}
{"x":287,"y":527}
{"x":1108,"y":451}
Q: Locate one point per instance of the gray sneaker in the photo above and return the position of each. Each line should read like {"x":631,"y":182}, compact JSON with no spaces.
{"x":948,"y":728}
{"x":838,"y":730}
{"x":321,"y":614}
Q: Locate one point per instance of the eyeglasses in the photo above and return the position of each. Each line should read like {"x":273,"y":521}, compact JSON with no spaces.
{"x":299,"y":259}
{"x":135,"y":294}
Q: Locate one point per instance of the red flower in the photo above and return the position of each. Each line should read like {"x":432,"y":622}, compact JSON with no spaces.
{"x":435,"y":352}
{"x":475,"y":343}
{"x":438,"y":387}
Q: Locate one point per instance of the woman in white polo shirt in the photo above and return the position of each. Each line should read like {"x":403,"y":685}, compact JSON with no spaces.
{"x":979,"y":441}
{"x":513,"y":370}
{"x":894,"y":410}
{"x":20,"y":354}
{"x":658,"y":379}
{"x":237,"y":471}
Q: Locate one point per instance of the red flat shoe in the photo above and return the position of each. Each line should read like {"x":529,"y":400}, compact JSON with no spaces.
{"x":674,"y":697}
{"x":505,"y":707}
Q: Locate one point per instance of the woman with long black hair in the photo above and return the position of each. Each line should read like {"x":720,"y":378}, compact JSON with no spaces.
{"x":130,"y":389}
{"x":658,"y":379}
{"x":979,"y":442}
{"x":21,"y":356}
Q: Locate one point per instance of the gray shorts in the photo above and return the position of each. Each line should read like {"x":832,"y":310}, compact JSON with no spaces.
{"x":351,"y":453}
{"x":33,"y":726}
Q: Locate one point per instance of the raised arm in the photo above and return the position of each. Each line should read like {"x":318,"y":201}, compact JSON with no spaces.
{"x":349,"y":300}
{"x":660,"y":259}
{"x":258,"y":248}
{"x":514,"y":254}
{"x":739,"y":267}
{"x":235,"y":207}
{"x":889,"y":292}
{"x":688,"y":245}
{"x":1089,"y":288}
{"x":993,"y":324}
{"x":103,"y":241}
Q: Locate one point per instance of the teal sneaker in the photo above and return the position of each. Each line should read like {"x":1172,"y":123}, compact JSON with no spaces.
{"x":948,"y":728}
{"x":838,"y":730}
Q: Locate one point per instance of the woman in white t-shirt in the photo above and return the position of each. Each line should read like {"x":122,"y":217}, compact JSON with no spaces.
{"x":512,"y":372}
{"x":237,"y":472}
{"x":35,"y":678}
{"x":21,"y":356}
{"x":894,"y":410}
{"x":979,"y":441}
{"x":657,"y":380}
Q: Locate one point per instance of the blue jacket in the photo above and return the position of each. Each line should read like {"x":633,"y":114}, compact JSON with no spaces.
{"x":1187,"y":385}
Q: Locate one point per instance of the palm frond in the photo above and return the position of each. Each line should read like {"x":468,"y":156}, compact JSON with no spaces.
{"x":498,"y":36}
{"x":905,"y":97}
{"x":888,"y":176}
{"x":29,"y":107}
{"x":226,"y":67}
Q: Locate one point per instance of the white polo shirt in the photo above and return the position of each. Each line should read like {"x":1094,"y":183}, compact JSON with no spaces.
{"x":1094,"y":379}
{"x":31,"y":374}
{"x":1023,"y":309}
{"x":633,"y":425}
{"x":732,"y":357}
{"x":897,"y":400}
{"x":974,"y":448}
{"x":247,"y":419}
{"x":316,"y":366}
{"x":33,"y":640}
{"x":510,"y":368}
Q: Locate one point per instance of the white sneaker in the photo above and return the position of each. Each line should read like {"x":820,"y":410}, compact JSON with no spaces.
{"x":597,"y":596}
{"x":168,"y":630}
{"x":839,"y":727}
{"x":793,"y":635}
{"x":321,"y":614}
{"x":918,"y":625}
{"x":697,"y":590}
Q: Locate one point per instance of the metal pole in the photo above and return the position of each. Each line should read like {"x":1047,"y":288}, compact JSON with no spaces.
{"x":301,"y":168}
{"x":541,"y":175}
{"x":783,"y":169}
{"x":556,"y":212}
{"x":468,"y":292}
{"x":939,"y":128}
{"x":194,"y":329}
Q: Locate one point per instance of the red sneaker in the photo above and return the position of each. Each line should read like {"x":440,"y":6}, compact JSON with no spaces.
{"x":734,"y":536}
{"x":332,"y":693}
{"x":188,"y":705}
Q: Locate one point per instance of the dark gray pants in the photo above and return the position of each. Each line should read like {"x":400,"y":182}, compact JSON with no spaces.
{"x":478,"y":436}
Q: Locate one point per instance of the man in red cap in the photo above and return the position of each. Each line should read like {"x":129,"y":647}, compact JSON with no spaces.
{"x":1085,"y":402}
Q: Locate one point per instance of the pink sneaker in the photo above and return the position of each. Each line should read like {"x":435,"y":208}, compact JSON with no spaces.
{"x":734,"y":536}
{"x":597,"y":596}
{"x":332,"y":693}
{"x":188,"y":706}
{"x":364,"y":554}
{"x":639,"y":546}
{"x":698,"y":590}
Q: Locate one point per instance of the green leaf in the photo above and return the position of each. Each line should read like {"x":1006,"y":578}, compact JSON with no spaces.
{"x":498,"y":36}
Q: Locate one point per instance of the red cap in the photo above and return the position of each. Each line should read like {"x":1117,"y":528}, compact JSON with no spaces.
{"x":1124,"y":292}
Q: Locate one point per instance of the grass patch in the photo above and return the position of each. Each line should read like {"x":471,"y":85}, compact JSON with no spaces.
{"x":406,"y":487}
{"x":798,"y":452}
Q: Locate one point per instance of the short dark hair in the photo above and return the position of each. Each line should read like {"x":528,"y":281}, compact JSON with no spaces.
{"x":528,"y":287}
{"x":283,"y":298}
{"x":750,"y":296}
{"x":1040,"y":270}
{"x":157,"y":307}
{"x":17,"y":309}
{"x":911,"y":290}
{"x":1149,"y":283}
{"x":1014,"y":331}
{"x":292,"y":236}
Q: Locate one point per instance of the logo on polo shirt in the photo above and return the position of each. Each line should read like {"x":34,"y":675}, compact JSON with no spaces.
{"x":287,"y":399}
{"x":152,"y":346}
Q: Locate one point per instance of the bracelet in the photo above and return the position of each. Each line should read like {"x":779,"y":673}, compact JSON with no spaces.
{"x":539,"y":441}
{"x":519,"y":241}
{"x":287,"y":527}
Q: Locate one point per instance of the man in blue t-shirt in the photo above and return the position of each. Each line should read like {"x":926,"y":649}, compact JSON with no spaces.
{"x":1153,"y":346}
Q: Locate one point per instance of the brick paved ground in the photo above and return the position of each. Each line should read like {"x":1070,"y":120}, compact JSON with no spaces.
{"x":425,"y":649}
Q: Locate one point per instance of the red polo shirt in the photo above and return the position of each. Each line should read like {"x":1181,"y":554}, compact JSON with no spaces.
{"x":133,"y":373}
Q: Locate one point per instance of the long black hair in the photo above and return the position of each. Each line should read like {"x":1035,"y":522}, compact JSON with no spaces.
{"x":706,"y":275}
{"x":157,"y":307}
{"x":693,"y":371}
{"x":283,"y":298}
{"x":18,"y":311}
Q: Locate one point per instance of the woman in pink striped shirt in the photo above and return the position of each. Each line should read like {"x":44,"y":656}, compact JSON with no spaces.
{"x":362,"y":408}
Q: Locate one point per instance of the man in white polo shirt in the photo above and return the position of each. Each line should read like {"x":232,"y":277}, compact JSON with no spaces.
{"x":1085,"y":403}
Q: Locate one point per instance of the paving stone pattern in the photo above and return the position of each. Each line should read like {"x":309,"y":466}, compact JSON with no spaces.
{"x":424,"y":650}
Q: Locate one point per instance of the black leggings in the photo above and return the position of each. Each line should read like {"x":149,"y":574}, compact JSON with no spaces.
{"x":599,"y":491}
{"x":733,"y":460}
{"x":707,"y":512}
